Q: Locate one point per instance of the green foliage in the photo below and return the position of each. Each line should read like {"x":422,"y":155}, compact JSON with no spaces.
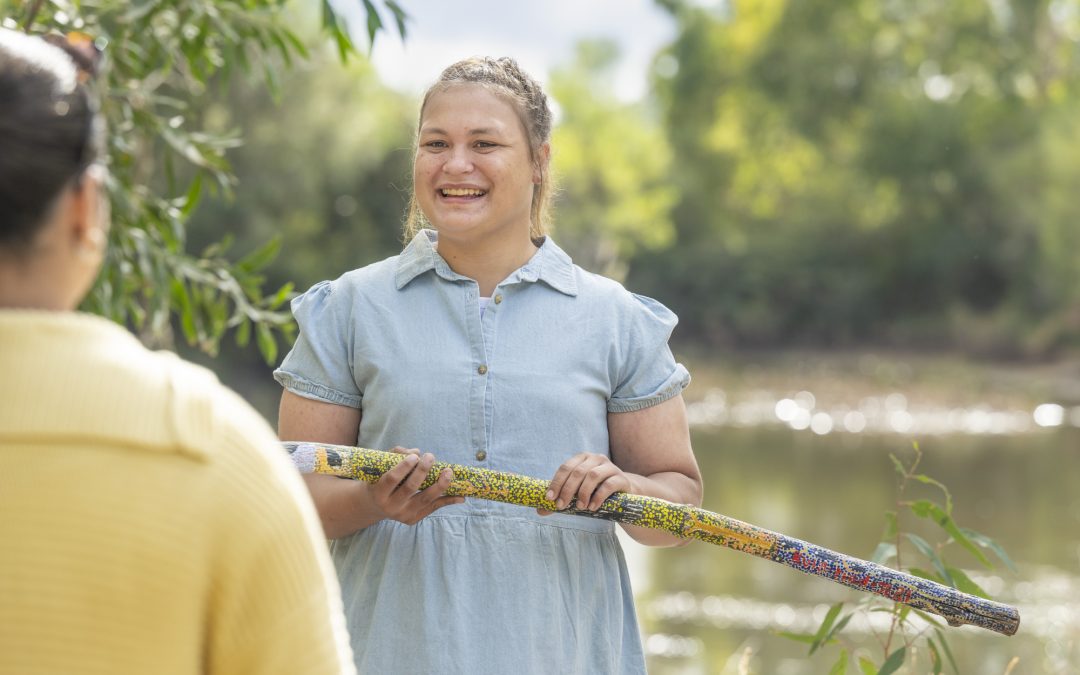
{"x":612,"y":165}
{"x":162,"y":58}
{"x":904,"y":180}
{"x":332,"y":187}
{"x":923,"y":644}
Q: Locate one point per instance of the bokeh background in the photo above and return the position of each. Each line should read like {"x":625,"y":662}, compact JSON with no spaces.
{"x":867,"y":217}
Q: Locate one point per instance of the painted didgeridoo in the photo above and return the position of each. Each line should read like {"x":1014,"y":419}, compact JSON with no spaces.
{"x":685,"y":521}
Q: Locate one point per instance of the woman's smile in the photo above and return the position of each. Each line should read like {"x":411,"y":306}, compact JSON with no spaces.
{"x":468,"y":193}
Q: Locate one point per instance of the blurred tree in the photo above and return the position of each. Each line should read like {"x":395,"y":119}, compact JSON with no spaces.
{"x":325,"y":170}
{"x":901,"y":180}
{"x":162,"y":57}
{"x":612,"y":165}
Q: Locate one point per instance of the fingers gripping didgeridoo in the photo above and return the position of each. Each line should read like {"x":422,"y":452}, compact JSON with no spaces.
{"x":955,"y":607}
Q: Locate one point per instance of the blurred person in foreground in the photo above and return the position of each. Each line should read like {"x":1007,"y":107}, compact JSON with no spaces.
{"x":149,"y":520}
{"x":484,"y":344}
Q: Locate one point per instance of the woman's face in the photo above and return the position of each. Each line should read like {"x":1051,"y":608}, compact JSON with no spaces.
{"x":473,"y":175}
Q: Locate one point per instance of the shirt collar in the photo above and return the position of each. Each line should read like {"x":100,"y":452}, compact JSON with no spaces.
{"x":549,"y":264}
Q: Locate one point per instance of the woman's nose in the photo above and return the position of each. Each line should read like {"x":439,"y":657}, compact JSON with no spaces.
{"x":458,"y":161}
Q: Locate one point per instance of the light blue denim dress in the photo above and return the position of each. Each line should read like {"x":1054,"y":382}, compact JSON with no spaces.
{"x":483,"y":587}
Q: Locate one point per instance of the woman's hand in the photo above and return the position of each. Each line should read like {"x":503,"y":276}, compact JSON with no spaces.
{"x":398,"y":495}
{"x":588,"y":477}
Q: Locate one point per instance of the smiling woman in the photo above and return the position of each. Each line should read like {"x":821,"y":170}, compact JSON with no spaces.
{"x":476,"y":176}
{"x":483,"y":342}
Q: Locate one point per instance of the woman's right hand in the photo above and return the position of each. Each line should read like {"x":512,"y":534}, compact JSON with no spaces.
{"x":398,"y":495}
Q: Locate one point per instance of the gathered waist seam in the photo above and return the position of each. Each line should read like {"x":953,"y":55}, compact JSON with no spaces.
{"x":605,"y":528}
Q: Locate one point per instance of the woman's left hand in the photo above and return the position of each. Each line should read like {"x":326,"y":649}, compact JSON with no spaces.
{"x":590,"y":478}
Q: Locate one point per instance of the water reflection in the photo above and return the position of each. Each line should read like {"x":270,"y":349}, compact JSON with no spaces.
{"x":885,"y":414}
{"x":706,"y":609}
{"x":1052,"y":618}
{"x":1047,"y":602}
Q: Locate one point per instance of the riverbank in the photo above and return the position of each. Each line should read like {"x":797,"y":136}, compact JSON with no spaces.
{"x":838,"y":378}
{"x":830,"y":392}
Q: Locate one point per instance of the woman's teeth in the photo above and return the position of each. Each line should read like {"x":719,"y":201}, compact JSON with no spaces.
{"x":462,"y":192}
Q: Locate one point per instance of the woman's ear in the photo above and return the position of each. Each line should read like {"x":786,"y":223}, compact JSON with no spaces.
{"x":89,"y":212}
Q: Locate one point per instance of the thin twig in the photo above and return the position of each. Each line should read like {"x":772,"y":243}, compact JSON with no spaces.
{"x":34,"y":9}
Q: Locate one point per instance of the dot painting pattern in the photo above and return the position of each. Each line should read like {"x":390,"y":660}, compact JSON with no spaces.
{"x":681,"y":520}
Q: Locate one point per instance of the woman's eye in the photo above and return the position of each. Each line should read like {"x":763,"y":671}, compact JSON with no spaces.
{"x":435,"y":144}
{"x":485,"y":145}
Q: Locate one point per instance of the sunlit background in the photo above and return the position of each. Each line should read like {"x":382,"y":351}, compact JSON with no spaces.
{"x":865,"y":214}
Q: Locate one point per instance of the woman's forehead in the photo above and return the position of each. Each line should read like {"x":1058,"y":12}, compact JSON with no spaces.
{"x":468,"y":107}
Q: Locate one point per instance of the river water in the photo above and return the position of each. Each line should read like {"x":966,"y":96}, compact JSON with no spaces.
{"x":788,"y":463}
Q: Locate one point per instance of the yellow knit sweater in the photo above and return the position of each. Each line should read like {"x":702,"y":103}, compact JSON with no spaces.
{"x":149,"y":522}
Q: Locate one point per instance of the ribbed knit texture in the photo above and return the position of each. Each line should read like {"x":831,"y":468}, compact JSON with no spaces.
{"x":149,"y":522}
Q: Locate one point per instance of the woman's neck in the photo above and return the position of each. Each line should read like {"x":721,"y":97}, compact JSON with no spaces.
{"x":35,"y":278}
{"x":488,"y":263}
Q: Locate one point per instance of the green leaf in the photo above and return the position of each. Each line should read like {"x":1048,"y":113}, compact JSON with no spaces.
{"x":945,"y":648}
{"x":922,"y":508}
{"x":282,"y":47}
{"x":218,"y":313}
{"x":219,"y":248}
{"x":935,"y":657}
{"x":867,"y":666}
{"x":296,"y":43}
{"x":194,"y":193}
{"x":840,"y":666}
{"x":892,"y":526}
{"x":260,"y":257}
{"x":243,"y":333}
{"x":182,"y":301}
{"x":332,"y":24}
{"x":924,"y":547}
{"x":930,"y":481}
{"x":893,"y":663}
{"x":884,"y":552}
{"x":826,"y":624}
{"x":943,"y":519}
{"x":182,"y":144}
{"x":281,"y":296}
{"x":965,"y":584}
{"x":797,"y":637}
{"x":928,"y":551}
{"x":400,"y":17}
{"x":267,"y":344}
{"x":924,"y":574}
{"x":898,"y":465}
{"x":138,"y":11}
{"x":374,"y":23}
{"x":839,"y":626}
{"x":987,"y":542}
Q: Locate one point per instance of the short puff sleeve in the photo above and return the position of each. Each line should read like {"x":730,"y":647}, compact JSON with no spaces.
{"x":647,"y":372}
{"x":319,"y":366}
